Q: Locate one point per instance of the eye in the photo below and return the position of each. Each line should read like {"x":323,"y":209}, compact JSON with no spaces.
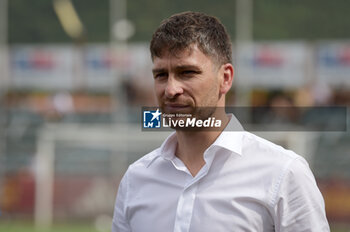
{"x":160,"y":75}
{"x":189,"y":73}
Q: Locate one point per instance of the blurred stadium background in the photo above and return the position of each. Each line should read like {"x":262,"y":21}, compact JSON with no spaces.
{"x":74,"y":75}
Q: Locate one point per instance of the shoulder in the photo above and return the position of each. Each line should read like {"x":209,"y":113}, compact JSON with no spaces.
{"x":275,"y":164}
{"x":145,"y":160}
{"x":263,"y":149}
{"x":140,"y":166}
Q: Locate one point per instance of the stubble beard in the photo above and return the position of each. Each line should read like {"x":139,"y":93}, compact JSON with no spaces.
{"x":209,"y":105}
{"x":204,"y":110}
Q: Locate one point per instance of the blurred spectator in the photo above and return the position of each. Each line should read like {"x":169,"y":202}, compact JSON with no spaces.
{"x":63,"y":103}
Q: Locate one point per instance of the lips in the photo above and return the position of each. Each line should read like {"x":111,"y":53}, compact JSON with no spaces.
{"x":175,"y":107}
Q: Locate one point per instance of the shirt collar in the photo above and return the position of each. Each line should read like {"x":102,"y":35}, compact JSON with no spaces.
{"x":168,"y":148}
{"x":230,"y":139}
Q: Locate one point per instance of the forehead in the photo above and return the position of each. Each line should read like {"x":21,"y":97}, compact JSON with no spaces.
{"x":189,"y":56}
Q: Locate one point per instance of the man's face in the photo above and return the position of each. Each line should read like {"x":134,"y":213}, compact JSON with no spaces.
{"x":186,"y":81}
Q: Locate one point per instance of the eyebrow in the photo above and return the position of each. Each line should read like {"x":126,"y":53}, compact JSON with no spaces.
{"x":158,"y":70}
{"x":180,"y":67}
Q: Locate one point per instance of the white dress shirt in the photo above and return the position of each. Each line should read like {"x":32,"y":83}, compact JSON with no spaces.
{"x":246,"y":184}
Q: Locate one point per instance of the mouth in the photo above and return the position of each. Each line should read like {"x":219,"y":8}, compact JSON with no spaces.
{"x":176,"y":107}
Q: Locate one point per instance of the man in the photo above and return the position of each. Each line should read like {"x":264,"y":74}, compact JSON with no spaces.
{"x":219,"y":180}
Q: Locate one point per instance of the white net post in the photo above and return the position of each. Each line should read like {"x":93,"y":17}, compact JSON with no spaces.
{"x":44,"y":176}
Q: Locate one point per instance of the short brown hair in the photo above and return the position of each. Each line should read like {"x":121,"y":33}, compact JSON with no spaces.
{"x":180,"y":31}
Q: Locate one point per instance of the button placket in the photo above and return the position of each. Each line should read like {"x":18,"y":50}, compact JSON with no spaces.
{"x":185,"y":209}
{"x":186,"y":201}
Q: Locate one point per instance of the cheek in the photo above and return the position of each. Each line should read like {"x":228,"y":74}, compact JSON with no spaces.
{"x":199,"y":92}
{"x":158,"y":89}
{"x":211,"y":91}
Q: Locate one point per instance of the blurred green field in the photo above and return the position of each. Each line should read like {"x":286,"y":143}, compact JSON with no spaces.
{"x":29,"y":227}
{"x":340,"y":228}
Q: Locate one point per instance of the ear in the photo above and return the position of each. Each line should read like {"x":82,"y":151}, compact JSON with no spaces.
{"x":226,"y":73}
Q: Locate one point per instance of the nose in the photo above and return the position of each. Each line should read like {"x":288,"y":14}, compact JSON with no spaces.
{"x":173,"y":87}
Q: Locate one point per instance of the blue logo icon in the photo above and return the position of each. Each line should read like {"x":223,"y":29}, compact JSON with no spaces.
{"x":151,"y":118}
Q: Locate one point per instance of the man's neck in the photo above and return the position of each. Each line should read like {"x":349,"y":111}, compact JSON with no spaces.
{"x":192,"y":144}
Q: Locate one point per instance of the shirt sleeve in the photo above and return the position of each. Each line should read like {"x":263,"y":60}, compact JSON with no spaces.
{"x":299,"y":205}
{"x":120,"y":222}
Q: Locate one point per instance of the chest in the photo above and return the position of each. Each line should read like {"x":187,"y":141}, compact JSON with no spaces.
{"x":220,"y":201}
